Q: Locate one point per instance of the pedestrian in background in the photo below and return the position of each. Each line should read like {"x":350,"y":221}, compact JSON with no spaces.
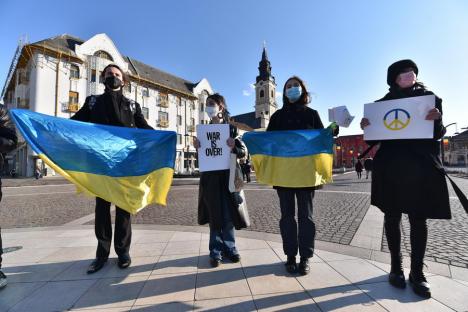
{"x":406,"y":179}
{"x":358,"y":168}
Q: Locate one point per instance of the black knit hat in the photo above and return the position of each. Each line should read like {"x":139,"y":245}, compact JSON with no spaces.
{"x":397,"y":68}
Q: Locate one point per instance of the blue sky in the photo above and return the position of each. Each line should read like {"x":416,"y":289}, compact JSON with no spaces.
{"x":340,"y":48}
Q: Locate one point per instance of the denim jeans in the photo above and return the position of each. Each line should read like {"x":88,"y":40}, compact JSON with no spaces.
{"x":222,"y":241}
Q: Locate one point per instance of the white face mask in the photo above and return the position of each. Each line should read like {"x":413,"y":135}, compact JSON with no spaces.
{"x":212,"y":111}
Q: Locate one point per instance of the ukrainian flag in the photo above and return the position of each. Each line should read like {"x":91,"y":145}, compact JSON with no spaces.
{"x":129,"y":167}
{"x":293,"y":158}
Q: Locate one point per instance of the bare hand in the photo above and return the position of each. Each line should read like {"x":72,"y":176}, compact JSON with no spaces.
{"x":434,"y":114}
{"x":364,"y":123}
{"x":231,"y":143}
{"x":196,"y":143}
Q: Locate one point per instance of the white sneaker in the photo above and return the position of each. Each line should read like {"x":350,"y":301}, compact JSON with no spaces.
{"x":3,"y":280}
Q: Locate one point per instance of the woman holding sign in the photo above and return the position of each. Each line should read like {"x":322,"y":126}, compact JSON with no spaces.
{"x":295,"y":115}
{"x":405,"y":179}
{"x":215,"y":204}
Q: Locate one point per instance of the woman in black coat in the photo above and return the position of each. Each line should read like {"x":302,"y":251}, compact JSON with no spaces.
{"x":215,"y":201}
{"x":296,"y":115}
{"x":405,"y":179}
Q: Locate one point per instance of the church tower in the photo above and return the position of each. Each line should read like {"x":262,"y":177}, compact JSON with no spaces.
{"x":265,"y":91}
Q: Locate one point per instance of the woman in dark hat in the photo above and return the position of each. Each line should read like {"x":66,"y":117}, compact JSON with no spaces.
{"x":418,"y":190}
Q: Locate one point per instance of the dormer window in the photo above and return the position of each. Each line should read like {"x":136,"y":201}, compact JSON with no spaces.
{"x":104,"y":55}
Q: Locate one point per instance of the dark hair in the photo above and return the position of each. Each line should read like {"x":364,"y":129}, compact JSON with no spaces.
{"x":124,"y":75}
{"x":304,"y":99}
{"x":219,"y":99}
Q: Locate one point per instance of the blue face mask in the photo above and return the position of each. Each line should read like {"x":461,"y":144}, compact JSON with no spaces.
{"x":293,"y":94}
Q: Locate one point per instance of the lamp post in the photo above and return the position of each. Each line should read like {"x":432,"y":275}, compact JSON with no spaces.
{"x":446,"y":141}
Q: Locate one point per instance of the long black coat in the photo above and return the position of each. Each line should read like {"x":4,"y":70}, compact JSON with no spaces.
{"x":213,"y":191}
{"x":405,"y":178}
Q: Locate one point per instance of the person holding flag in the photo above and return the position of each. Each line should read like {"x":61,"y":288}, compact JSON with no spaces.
{"x":296,"y":115}
{"x":112,"y":108}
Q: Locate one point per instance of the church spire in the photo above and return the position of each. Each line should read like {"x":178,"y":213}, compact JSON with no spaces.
{"x":264,"y":67}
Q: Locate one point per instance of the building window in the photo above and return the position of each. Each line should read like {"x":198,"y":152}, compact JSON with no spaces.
{"x":272,"y":94}
{"x":262,"y":93}
{"x":101,"y":79}
{"x":163,"y":116}
{"x":145,"y":112}
{"x":192,"y":121}
{"x":163,"y":100}
{"x":104,"y":55}
{"x":93,"y":75}
{"x":129,"y":87}
{"x":74,"y":72}
{"x":202,"y":107}
{"x":179,"y":138}
{"x":179,"y":120}
{"x":145,"y":92}
{"x":73,"y":97}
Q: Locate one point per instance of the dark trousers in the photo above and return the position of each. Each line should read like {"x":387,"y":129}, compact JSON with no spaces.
{"x":418,"y":236}
{"x":1,"y":248}
{"x":223,"y":240}
{"x":294,"y":237}
{"x":103,"y":230}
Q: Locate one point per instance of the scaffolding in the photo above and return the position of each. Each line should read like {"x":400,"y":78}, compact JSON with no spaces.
{"x":21,"y":43}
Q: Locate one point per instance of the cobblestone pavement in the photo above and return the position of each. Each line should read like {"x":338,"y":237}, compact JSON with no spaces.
{"x":338,"y":211}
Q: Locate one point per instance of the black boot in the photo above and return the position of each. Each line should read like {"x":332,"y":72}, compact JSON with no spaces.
{"x":291,"y":265}
{"x":418,"y":281}
{"x":304,"y":267}
{"x":396,"y":277}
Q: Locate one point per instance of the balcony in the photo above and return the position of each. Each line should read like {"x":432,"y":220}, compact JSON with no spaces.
{"x":163,"y":123}
{"x":191,"y":128}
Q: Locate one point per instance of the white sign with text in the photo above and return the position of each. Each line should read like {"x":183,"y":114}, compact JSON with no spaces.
{"x":214,"y":153}
{"x":400,"y":119}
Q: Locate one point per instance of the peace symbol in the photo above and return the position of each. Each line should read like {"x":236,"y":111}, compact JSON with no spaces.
{"x":396,"y":119}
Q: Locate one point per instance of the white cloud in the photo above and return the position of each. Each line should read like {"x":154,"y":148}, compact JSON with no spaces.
{"x":252,"y":86}
{"x":279,"y":94}
{"x":245,"y":93}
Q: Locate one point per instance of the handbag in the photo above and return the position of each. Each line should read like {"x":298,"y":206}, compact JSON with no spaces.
{"x":236,"y":184}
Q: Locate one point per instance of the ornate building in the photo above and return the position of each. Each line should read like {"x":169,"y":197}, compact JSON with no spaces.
{"x":54,"y":76}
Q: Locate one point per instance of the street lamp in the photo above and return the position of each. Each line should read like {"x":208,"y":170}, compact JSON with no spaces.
{"x":445,"y":141}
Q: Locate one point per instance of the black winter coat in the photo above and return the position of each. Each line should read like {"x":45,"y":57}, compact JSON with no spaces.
{"x":114,"y":110}
{"x":213,"y":191}
{"x":405,"y":178}
{"x":8,"y":137}
{"x":295,"y":116}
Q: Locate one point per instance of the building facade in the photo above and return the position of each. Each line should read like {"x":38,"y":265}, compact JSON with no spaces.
{"x":348,"y":148}
{"x":54,"y":76}
{"x":455,"y":150}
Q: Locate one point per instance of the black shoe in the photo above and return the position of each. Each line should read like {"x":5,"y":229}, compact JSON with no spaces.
{"x":124,"y":262}
{"x":396,"y":277}
{"x":96,"y":265}
{"x":419,"y":283}
{"x":235,"y":258}
{"x":215,"y":262}
{"x":291,"y":265}
{"x":304,"y":267}
{"x":3,"y":280}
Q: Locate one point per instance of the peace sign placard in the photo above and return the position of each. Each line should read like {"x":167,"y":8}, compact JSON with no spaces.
{"x":400,"y":119}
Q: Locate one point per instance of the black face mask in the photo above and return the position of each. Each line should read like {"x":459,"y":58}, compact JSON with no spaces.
{"x":113,"y":82}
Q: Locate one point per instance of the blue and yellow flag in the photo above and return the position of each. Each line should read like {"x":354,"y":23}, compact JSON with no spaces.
{"x":128,"y":167}
{"x":295,"y":158}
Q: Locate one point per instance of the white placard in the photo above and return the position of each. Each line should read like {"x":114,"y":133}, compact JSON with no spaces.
{"x":340,"y":115}
{"x":400,"y":119}
{"x":214,"y":153}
